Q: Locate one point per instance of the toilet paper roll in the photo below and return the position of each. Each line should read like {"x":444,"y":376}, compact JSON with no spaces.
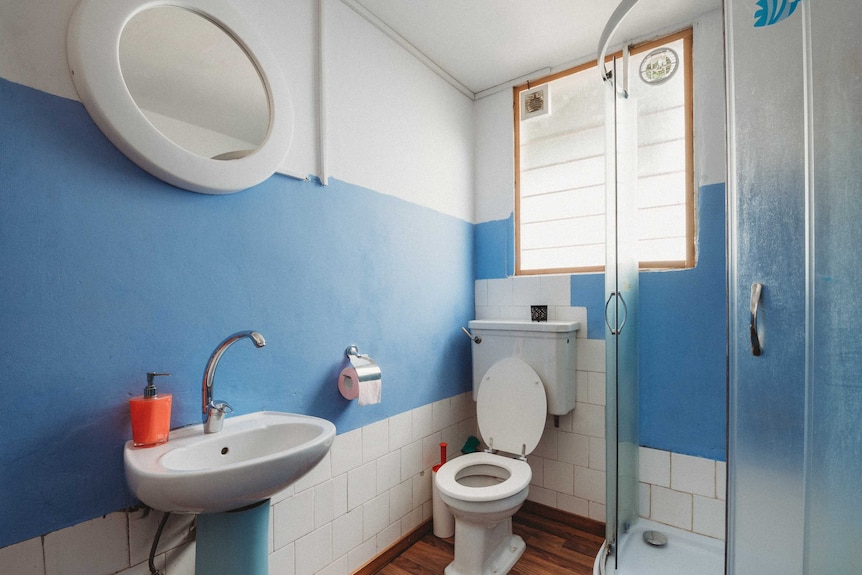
{"x":353,"y":384}
{"x":348,"y":383}
{"x":442,"y":519}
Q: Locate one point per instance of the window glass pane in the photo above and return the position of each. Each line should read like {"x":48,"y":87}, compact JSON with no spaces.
{"x":561,"y":176}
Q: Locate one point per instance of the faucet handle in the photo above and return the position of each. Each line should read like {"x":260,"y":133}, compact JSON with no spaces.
{"x":220,"y":406}
{"x":216,"y":411}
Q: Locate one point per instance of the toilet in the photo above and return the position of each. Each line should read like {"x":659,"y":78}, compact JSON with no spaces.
{"x":531,"y":374}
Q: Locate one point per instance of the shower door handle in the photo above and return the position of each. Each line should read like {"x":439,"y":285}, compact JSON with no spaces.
{"x":616,"y":330}
{"x":756,"y":290}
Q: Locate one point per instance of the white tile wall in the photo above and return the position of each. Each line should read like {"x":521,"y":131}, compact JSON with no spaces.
{"x":683,"y":491}
{"x":373,"y":488}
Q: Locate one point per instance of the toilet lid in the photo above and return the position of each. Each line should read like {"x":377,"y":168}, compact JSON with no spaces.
{"x":511,"y":407}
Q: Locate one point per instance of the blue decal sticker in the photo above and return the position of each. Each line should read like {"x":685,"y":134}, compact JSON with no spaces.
{"x":770,"y":12}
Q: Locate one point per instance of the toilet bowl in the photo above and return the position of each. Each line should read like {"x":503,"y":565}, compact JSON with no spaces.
{"x":484,"y":490}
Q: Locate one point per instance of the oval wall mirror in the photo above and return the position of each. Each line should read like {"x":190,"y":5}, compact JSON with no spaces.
{"x":183,"y":88}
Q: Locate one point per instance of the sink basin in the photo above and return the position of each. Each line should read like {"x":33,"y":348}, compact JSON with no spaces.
{"x":252,"y":458}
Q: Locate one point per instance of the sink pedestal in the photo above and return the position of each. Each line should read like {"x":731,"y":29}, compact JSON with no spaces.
{"x":233,"y":542}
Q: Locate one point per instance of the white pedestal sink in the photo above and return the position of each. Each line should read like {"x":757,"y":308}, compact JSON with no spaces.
{"x":252,"y":458}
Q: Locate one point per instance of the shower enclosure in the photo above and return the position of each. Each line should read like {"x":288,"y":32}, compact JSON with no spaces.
{"x":795,"y":269}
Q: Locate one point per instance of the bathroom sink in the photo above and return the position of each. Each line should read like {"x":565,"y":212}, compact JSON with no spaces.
{"x":252,"y":458}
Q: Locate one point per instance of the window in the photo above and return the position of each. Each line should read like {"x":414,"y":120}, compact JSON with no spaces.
{"x":560,"y":163}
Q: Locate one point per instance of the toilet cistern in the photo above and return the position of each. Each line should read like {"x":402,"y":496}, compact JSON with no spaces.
{"x":214,"y":411}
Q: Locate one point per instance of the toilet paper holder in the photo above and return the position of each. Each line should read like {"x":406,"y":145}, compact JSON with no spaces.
{"x":362,"y":370}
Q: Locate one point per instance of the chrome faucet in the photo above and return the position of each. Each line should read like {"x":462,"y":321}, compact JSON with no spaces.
{"x":214,"y":411}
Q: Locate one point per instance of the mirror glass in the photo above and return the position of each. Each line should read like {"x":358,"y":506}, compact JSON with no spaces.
{"x":194,"y":82}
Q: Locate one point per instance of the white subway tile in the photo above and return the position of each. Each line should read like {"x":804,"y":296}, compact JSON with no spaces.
{"x":341,"y":566}
{"x":100,"y":545}
{"x":708,"y":517}
{"x":671,"y":507}
{"x":487,"y":312}
{"x":480,"y":295}
{"x":431,"y":450}
{"x":548,"y":444}
{"x":515,"y":312}
{"x":144,"y":568}
{"x":388,"y":471}
{"x":411,"y":460}
{"x":400,"y":430}
{"x":375,"y":516}
{"x":292,"y":518}
{"x":318,"y":474}
{"x":537,"y":466}
{"x":346,"y":452}
{"x":347,"y":533}
{"x":556,"y":290}
{"x":361,"y":485}
{"x":143,"y":526}
{"x":282,"y":562}
{"x":324,"y":504}
{"x":339,"y":495}
{"x":23,"y":558}
{"x":527,"y":291}
{"x":400,"y":500}
{"x":375,"y":440}
{"x":441,"y":415}
{"x":721,"y":480}
{"x":574,"y":448}
{"x":598,"y":454}
{"x":388,"y":536}
{"x":590,"y":484}
{"x":542,"y":496}
{"x":644,"y":499}
{"x":314,"y":551}
{"x":654,"y":466}
{"x":411,"y":521}
{"x":362,"y":554}
{"x":596,"y":394}
{"x":574,"y":505}
{"x":422,"y":421}
{"x":500,"y":292}
{"x":570,"y":313}
{"x":421,"y":489}
{"x":588,"y":420}
{"x":591,"y":355}
{"x":598,"y":511}
{"x":692,"y":474}
{"x":180,"y":560}
{"x":559,"y":477}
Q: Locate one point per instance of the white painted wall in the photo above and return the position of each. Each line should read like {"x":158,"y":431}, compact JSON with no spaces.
{"x":494,"y":177}
{"x":392,"y":125}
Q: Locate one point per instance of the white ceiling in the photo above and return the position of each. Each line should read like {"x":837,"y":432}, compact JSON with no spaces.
{"x":486,"y":43}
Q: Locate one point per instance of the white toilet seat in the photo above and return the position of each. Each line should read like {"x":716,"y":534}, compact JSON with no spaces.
{"x":518,"y":471}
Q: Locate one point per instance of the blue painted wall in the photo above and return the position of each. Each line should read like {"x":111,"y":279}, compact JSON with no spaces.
{"x":107,"y":273}
{"x":682,"y":332}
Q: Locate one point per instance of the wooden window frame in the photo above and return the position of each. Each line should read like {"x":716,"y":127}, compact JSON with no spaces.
{"x":691,"y":238}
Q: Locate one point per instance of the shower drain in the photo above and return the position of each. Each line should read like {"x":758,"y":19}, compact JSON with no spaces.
{"x":655,"y":538}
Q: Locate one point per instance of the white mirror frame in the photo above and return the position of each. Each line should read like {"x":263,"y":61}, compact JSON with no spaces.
{"x":93,"y":44}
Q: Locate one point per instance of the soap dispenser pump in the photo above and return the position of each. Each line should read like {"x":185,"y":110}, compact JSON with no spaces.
{"x":151,"y":414}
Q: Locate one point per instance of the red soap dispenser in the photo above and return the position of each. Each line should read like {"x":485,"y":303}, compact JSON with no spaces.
{"x":151,"y":415}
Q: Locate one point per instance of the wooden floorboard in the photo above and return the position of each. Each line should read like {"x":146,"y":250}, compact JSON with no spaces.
{"x":557,"y":544}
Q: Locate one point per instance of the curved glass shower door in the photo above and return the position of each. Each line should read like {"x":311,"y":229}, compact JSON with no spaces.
{"x":795,"y":441}
{"x":621,"y":309}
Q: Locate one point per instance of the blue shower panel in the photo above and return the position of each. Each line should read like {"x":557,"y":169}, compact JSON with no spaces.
{"x":107,"y":273}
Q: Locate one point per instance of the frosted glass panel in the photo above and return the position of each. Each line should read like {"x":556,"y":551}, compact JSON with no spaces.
{"x":766,"y":162}
{"x":795,"y":439}
{"x":621,"y":289}
{"x":833,"y":527}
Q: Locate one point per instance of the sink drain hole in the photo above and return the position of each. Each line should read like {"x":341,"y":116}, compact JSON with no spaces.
{"x":224,"y":450}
